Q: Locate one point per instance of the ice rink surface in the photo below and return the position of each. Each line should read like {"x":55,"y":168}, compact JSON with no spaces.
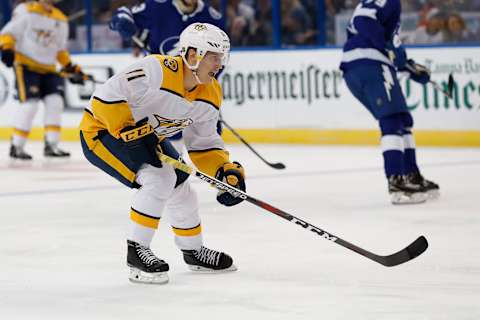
{"x":63,"y":248}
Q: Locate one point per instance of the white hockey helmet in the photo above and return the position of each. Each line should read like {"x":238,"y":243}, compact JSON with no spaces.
{"x":204,"y":37}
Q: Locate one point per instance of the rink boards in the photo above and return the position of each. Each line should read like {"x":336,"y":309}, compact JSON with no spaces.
{"x":298,"y":96}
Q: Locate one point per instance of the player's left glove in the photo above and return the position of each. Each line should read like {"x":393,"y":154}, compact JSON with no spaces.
{"x":418,"y":73}
{"x":75,"y":73}
{"x":122,"y":21}
{"x":8,"y":56}
{"x":233,"y":174}
{"x":141,"y":142}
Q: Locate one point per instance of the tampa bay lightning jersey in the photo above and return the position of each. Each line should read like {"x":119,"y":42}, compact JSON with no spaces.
{"x":373,"y":28}
{"x":165,"y":21}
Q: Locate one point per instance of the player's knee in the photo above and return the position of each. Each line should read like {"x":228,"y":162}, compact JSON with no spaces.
{"x":54,"y":102}
{"x":392,"y":124}
{"x":53,"y":109}
{"x":157,"y":182}
{"x":407,"y":122}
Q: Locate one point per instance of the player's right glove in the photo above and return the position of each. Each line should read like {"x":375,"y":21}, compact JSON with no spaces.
{"x":122,"y":21}
{"x":141,"y":142}
{"x":233,"y":174}
{"x":418,"y":73}
{"x":8,"y":56}
{"x":75,"y":73}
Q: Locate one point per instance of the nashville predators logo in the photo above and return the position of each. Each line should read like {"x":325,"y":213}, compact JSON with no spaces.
{"x":44,"y":37}
{"x":171,"y":64}
{"x":168,"y":127}
{"x":200,"y":27}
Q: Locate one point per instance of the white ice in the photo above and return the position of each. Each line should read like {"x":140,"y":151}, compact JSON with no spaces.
{"x":63,"y":226}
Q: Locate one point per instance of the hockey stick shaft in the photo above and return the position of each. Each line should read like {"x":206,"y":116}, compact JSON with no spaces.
{"x":412,"y":251}
{"x":439,"y":88}
{"x":277,"y":165}
{"x":140,"y":44}
{"x":88,"y":77}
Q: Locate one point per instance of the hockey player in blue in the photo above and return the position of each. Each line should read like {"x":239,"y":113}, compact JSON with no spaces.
{"x":157,"y":24}
{"x":372,"y":55}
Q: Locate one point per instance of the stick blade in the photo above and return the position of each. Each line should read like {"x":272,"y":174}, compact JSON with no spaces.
{"x":451,"y":84}
{"x":277,"y":165}
{"x":415,"y":249}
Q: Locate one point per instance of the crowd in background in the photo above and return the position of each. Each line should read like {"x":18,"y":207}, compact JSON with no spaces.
{"x":249,"y":22}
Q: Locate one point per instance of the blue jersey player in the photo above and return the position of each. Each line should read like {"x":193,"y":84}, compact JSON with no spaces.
{"x":372,"y":55}
{"x":157,"y":24}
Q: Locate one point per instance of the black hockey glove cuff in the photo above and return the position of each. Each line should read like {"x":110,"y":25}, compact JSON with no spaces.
{"x":8,"y":57}
{"x":141,"y":142}
{"x":234,"y":175}
{"x":418,"y":73}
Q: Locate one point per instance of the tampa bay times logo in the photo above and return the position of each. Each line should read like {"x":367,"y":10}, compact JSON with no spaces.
{"x":3,"y":89}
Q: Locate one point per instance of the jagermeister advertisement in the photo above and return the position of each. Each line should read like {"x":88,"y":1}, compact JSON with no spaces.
{"x":304,"y":89}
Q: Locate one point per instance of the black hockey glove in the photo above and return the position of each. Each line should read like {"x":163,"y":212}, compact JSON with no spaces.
{"x":141,"y":142}
{"x":8,"y":56}
{"x":74,"y":73}
{"x":234,"y":175}
{"x":418,"y":72}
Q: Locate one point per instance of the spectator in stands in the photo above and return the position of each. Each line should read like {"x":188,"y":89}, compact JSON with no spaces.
{"x":297,"y":28}
{"x":262,"y":26}
{"x":456,"y":30}
{"x":433,"y":30}
{"x":240,"y":20}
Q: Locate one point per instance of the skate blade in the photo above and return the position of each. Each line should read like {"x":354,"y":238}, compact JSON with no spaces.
{"x":138,"y":276}
{"x":433,"y":194}
{"x":55,"y":161}
{"x":400,"y":198}
{"x":199,"y":269}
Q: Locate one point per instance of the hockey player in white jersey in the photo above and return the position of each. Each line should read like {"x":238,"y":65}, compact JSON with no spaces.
{"x":128,"y":121}
{"x":32,"y":43}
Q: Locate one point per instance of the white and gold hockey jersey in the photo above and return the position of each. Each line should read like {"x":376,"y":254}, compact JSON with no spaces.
{"x":39,"y":37}
{"x":153,"y":88}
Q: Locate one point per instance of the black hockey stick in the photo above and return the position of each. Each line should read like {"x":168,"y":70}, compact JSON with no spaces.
{"x":277,"y":165}
{"x":450,"y":83}
{"x":87,"y":77}
{"x":415,"y":249}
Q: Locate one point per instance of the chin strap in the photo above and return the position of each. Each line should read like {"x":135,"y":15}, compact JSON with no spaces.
{"x":196,"y":76}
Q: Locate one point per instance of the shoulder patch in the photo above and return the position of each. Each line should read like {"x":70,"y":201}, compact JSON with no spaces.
{"x":214,"y":13}
{"x":171,"y":64}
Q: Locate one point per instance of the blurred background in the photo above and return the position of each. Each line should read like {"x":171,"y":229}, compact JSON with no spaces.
{"x":280,"y":24}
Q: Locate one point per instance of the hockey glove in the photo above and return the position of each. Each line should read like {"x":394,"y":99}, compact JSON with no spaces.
{"x":8,"y":56}
{"x":74,"y":73}
{"x":122,"y":21}
{"x":234,"y":175}
{"x":141,"y":142}
{"x":418,"y":72}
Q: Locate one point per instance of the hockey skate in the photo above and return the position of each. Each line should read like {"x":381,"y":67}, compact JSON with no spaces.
{"x":403,"y":192}
{"x":431,"y":188}
{"x":52,"y":151}
{"x":145,"y":267}
{"x":208,"y":261}
{"x":19,"y":153}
